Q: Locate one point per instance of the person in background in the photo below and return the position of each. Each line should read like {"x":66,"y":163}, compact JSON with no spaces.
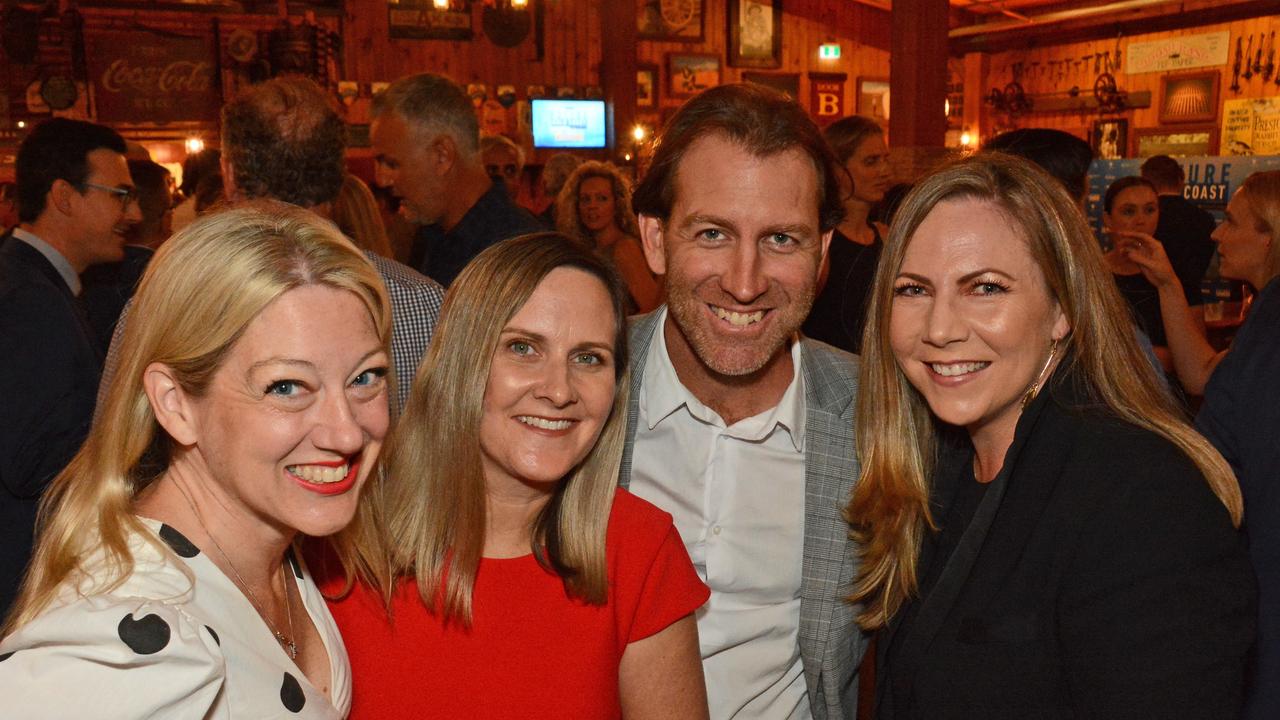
{"x":738,"y":425}
{"x":554,"y":173}
{"x":8,"y":206}
{"x":1241,"y":410}
{"x":840,"y":309}
{"x":426,"y":142}
{"x":526,"y":583}
{"x":210,"y":191}
{"x":1130,"y":206}
{"x":247,"y":411}
{"x":108,"y":287}
{"x":1044,"y":536}
{"x":355,"y":212}
{"x":1064,"y":156}
{"x":195,"y":169}
{"x":595,"y":209}
{"x":1184,"y":229}
{"x":503,"y":161}
{"x":75,"y":207}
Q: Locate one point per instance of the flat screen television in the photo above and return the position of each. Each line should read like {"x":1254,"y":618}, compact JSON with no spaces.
{"x":568,"y":124}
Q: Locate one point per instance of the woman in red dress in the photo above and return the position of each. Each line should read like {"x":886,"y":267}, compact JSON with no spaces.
{"x":522,"y":582}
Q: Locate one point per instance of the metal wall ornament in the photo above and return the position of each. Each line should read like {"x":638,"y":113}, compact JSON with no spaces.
{"x":670,"y":20}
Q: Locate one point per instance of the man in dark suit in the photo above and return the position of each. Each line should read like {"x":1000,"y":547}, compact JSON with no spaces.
{"x":75,"y":204}
{"x":1184,"y":229}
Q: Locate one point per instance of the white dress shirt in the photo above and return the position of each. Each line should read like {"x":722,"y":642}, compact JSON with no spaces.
{"x":737,"y":496}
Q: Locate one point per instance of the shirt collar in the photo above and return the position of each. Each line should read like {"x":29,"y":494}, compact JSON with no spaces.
{"x":54,"y":257}
{"x":662,"y":395}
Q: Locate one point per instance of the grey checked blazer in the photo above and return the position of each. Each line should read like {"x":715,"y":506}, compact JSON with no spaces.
{"x":831,"y":645}
{"x":415,"y":308}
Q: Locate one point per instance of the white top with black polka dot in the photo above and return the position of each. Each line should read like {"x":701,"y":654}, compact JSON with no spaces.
{"x":160,"y":647}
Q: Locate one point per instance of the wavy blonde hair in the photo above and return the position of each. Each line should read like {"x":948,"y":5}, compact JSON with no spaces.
{"x":896,"y":432}
{"x":201,"y":290}
{"x":569,"y":221}
{"x":435,"y":486}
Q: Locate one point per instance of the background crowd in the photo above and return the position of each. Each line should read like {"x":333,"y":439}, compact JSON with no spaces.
{"x":280,"y":439}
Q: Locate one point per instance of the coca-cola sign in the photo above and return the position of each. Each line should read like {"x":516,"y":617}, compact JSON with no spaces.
{"x":140,"y":77}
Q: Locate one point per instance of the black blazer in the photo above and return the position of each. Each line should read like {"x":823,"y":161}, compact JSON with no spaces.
{"x":1099,"y":577}
{"x":49,"y":369}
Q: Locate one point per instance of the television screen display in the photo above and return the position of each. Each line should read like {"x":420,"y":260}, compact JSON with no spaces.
{"x":568,"y":124}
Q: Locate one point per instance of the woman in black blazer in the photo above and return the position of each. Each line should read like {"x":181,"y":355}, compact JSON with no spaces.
{"x":1043,"y":535}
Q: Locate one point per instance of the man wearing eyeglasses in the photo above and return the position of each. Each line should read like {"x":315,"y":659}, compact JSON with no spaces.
{"x":75,"y":203}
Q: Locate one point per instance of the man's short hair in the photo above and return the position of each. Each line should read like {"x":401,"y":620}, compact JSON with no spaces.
{"x":761,"y":120}
{"x":433,"y":104}
{"x":1061,"y":154}
{"x":197,"y":165}
{"x":284,"y":140}
{"x":58,"y":149}
{"x":1164,"y":172}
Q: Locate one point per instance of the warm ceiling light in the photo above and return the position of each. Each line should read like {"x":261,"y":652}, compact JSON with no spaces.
{"x":440,"y":4}
{"x":638,"y":132}
{"x":22,"y":124}
{"x":194,"y":145}
{"x":519,"y":3}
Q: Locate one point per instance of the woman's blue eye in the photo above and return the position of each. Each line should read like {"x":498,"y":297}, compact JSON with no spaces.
{"x":908,"y":290}
{"x":989,"y":288}
{"x":370,"y":376}
{"x":283,"y":388}
{"x":520,"y":347}
{"x":589,"y":359}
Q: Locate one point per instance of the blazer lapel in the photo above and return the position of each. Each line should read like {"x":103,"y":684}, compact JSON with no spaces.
{"x":831,"y":468}
{"x":641,"y":331}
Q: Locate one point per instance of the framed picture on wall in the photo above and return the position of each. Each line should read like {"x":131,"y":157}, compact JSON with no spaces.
{"x":1110,"y":138}
{"x":1189,"y":97}
{"x":1183,"y":142}
{"x":646,"y":86}
{"x":873,"y":98}
{"x":689,"y":74}
{"x":671,"y":20}
{"x":755,"y":33}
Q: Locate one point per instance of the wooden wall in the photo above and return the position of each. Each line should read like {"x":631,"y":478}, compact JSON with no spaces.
{"x":1039,"y":78}
{"x":862,"y":31}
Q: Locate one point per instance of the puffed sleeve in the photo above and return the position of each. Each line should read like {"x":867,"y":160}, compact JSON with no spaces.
{"x":1158,"y":615}
{"x":657,"y":584}
{"x":109,"y":657}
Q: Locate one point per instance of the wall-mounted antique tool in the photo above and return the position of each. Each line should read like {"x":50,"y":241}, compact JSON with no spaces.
{"x":1235,"y":69}
{"x":1270,"y":67}
{"x":1248,"y":66}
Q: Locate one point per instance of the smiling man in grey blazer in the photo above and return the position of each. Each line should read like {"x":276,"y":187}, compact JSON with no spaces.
{"x":737,"y":426}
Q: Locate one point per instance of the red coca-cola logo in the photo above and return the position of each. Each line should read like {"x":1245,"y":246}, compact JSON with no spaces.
{"x":176,"y":77}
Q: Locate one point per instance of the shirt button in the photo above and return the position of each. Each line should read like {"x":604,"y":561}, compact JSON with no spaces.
{"x":716,"y":530}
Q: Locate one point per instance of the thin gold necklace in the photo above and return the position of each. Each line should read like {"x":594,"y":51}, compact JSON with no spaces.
{"x":288,"y":643}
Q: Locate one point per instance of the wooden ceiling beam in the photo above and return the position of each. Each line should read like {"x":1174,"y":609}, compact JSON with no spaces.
{"x":1128,"y":17}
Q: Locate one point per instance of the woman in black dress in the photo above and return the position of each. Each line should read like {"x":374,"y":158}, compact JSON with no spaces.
{"x":839,"y":310}
{"x":1043,"y":536}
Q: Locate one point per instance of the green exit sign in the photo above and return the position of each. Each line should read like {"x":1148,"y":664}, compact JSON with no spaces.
{"x":829,"y":51}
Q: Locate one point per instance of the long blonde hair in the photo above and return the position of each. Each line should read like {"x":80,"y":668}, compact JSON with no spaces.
{"x":201,"y":290}
{"x":435,"y":486}
{"x":896,"y":432}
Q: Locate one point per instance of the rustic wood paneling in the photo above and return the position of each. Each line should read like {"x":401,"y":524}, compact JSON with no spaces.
{"x":1039,"y":77}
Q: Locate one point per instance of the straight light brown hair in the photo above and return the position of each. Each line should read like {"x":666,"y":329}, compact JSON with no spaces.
{"x":896,"y":430}
{"x":434,"y":486}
